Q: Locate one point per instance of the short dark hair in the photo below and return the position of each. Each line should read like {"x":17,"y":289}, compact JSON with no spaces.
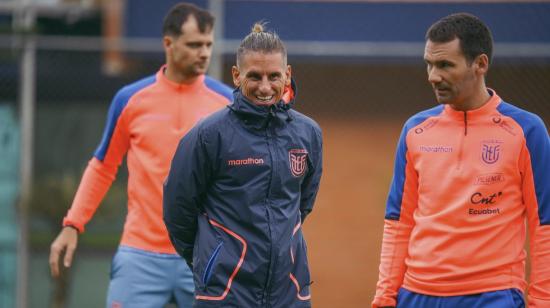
{"x":178,"y":15}
{"x":259,"y":40}
{"x":474,"y":36}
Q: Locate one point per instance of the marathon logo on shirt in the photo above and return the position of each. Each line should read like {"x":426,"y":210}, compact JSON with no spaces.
{"x":435,"y":149}
{"x":490,"y":151}
{"x":298,"y":161}
{"x":245,"y":161}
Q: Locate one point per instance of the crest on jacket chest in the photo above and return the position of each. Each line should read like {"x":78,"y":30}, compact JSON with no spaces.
{"x":298,"y":161}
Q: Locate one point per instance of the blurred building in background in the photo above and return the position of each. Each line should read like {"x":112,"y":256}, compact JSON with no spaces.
{"x":355,"y":62}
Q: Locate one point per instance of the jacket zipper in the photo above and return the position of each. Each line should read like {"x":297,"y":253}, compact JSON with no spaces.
{"x":178,"y":125}
{"x":461,"y":145}
{"x":269,"y":135}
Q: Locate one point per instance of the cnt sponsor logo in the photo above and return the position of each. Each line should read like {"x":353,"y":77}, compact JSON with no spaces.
{"x":245,"y":161}
{"x":490,"y":151}
{"x":298,"y":161}
{"x":478,"y":198}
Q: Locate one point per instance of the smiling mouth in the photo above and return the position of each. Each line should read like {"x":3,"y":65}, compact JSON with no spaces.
{"x":264,"y":99}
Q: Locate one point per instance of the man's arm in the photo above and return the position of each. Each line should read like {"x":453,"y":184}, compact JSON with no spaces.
{"x":95,"y":183}
{"x":535,"y":168}
{"x":184,"y":192}
{"x":310,"y":185}
{"x":398,"y":224}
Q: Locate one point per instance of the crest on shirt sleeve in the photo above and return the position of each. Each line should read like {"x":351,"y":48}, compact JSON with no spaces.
{"x":298,"y":161}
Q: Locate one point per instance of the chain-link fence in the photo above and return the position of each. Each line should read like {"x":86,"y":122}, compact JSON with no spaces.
{"x":73,"y":94}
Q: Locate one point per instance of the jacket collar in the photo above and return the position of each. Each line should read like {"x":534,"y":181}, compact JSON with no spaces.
{"x":258,"y":115}
{"x":487,"y":109}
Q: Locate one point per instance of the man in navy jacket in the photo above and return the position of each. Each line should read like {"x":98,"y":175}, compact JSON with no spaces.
{"x":241,"y":184}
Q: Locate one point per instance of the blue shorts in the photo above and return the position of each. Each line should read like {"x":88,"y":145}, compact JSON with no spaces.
{"x":142,"y":279}
{"x":509,"y":298}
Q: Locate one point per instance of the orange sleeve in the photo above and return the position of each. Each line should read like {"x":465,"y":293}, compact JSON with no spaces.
{"x":97,"y":178}
{"x":395,"y":242}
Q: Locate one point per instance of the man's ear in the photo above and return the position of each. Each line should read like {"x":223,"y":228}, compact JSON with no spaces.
{"x":482,"y":64}
{"x":167,"y":42}
{"x":236,"y":74}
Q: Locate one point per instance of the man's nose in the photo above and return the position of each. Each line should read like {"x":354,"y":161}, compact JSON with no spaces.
{"x":205,"y":52}
{"x":265,"y":86}
{"x":433,"y":76}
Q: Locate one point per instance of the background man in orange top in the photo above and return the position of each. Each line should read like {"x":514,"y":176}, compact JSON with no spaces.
{"x":468,"y":175}
{"x":145,"y":122}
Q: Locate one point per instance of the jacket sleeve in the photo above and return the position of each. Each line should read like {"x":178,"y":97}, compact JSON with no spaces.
{"x":310,"y":185}
{"x":184,"y":192}
{"x":535,"y":168}
{"x":102,"y":168}
{"x":398,"y":224}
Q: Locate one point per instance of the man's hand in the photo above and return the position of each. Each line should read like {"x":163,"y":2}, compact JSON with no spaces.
{"x":66,"y":242}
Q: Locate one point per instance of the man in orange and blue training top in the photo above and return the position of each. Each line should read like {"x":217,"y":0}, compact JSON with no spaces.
{"x":468,"y":175}
{"x":145,"y":121}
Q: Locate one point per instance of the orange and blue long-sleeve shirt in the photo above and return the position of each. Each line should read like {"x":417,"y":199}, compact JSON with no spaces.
{"x":465,"y":184}
{"x":146,"y":120}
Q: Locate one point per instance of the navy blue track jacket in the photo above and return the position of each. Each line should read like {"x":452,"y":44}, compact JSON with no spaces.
{"x":241,"y":184}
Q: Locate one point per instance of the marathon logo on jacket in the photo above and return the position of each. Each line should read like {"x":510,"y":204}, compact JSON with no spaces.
{"x":490,"y":151}
{"x":298,"y":161}
{"x":245,"y":161}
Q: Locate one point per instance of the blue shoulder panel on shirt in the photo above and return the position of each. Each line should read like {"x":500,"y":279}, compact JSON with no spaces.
{"x":538,"y":144}
{"x":117,"y":105}
{"x":395,"y":196}
{"x":219,"y":87}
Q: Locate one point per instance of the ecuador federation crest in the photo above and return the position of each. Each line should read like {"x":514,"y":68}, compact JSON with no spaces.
{"x":490,"y":151}
{"x":298,"y":161}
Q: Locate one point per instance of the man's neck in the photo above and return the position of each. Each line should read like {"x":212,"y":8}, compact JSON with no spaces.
{"x":477,"y":100}
{"x":179,"y":78}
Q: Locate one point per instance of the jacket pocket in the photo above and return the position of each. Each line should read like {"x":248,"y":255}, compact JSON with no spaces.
{"x":220,"y":264}
{"x":210,"y":265}
{"x":299,"y":274}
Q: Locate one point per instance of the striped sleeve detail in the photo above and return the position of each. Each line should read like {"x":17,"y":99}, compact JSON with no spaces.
{"x":395,"y":196}
{"x":117,"y":106}
{"x":219,"y":87}
{"x":538,"y":145}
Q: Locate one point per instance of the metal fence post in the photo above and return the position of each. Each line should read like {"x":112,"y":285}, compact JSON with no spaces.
{"x":216,"y":7}
{"x":25,"y":22}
